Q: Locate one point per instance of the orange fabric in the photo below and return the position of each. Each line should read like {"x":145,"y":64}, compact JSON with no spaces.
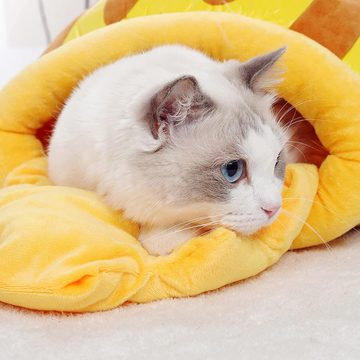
{"x":334,"y":24}
{"x":116,"y":10}
{"x":59,"y":40}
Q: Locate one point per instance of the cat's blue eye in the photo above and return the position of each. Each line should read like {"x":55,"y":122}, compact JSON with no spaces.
{"x":233,"y":170}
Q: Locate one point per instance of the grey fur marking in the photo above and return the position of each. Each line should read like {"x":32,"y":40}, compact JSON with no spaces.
{"x":180,"y":100}
{"x":252,"y":70}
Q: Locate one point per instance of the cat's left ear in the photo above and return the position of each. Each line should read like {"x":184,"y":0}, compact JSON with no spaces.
{"x":258,"y":73}
{"x":178,"y":103}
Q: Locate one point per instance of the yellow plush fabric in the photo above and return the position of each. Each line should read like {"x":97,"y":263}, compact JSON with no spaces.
{"x":64,"y":249}
{"x":336,"y":29}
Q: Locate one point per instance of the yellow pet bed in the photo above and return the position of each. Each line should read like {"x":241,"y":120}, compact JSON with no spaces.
{"x":64,"y":249}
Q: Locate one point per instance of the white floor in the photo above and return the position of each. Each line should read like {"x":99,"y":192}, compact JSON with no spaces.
{"x":305,"y":307}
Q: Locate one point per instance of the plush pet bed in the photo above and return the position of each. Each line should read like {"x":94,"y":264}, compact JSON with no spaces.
{"x":334,"y":24}
{"x":64,"y":249}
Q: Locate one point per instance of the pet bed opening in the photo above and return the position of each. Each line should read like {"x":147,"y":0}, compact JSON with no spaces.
{"x":304,"y":143}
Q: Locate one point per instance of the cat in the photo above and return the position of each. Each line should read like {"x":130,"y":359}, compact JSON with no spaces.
{"x":178,"y":141}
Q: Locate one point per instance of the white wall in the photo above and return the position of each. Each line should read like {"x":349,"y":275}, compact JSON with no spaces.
{"x":24,"y":23}
{"x":22,"y":34}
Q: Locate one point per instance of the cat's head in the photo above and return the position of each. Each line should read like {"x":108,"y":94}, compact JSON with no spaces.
{"x":211,"y":151}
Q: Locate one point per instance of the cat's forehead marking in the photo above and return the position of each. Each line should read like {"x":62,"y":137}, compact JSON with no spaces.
{"x":261,"y":146}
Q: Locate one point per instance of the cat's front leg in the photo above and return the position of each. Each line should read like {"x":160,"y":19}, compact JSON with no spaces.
{"x":162,"y":241}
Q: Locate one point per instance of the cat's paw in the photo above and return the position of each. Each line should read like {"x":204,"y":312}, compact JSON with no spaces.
{"x":160,"y":241}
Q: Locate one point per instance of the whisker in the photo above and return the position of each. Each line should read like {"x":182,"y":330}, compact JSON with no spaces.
{"x":288,"y":213}
{"x":304,"y":144}
{"x":168,"y":232}
{"x":292,"y":108}
{"x":190,"y":222}
{"x":326,"y":208}
{"x":294,"y":122}
{"x":294,"y":146}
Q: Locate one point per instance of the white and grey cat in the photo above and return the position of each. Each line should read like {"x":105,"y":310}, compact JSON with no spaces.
{"x":176,"y":140}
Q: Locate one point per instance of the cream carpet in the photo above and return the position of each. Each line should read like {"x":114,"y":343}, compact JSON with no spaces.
{"x":307,"y":306}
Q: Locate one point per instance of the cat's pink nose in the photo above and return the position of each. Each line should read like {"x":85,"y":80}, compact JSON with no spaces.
{"x":270,"y":211}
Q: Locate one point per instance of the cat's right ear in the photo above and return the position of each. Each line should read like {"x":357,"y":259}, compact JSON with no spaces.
{"x":177,"y":104}
{"x":258,"y":73}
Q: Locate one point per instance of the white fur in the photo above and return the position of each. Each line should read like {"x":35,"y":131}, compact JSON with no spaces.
{"x":262,"y":189}
{"x":100,"y":132}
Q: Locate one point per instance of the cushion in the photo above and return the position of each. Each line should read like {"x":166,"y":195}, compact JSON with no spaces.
{"x":63,"y":249}
{"x":338,"y":27}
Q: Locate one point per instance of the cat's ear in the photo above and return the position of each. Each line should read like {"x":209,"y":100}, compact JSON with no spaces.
{"x":177,"y":104}
{"x":258,"y":73}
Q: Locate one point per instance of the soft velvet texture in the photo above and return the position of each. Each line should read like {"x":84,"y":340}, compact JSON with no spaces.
{"x":64,"y":249}
{"x":333,"y":23}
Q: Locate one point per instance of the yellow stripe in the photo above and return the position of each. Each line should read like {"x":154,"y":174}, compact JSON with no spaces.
{"x":353,"y":56}
{"x":281,"y":12}
{"x":93,"y":19}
